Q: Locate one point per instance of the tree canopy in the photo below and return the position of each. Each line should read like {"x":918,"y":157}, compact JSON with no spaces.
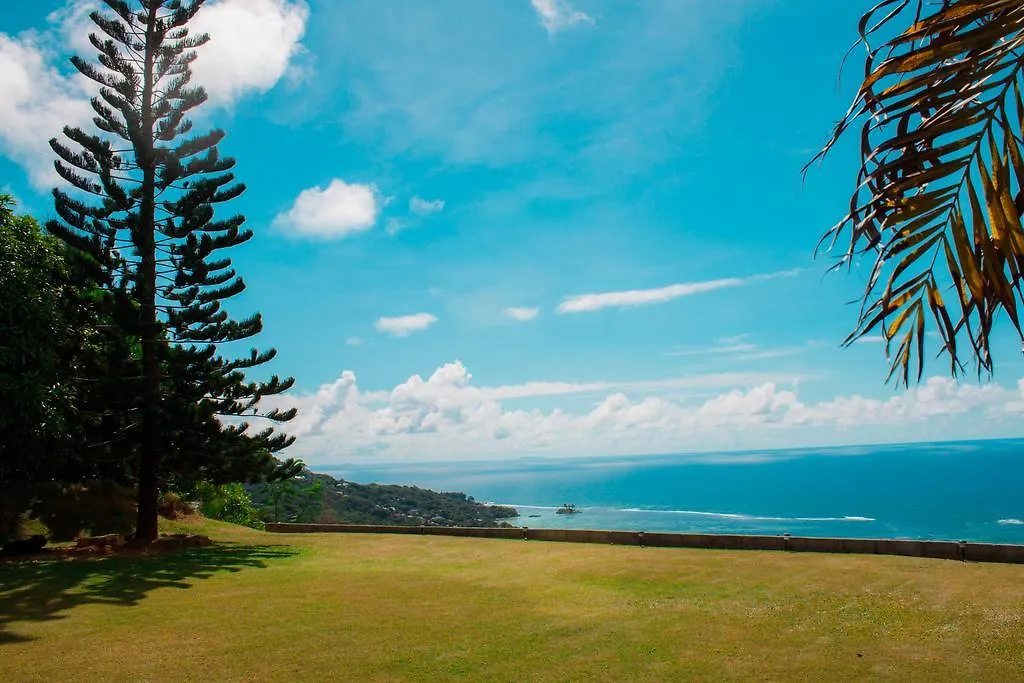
{"x":36,"y":396}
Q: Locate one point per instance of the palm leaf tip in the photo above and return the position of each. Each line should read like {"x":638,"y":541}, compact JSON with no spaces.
{"x":940,"y":189}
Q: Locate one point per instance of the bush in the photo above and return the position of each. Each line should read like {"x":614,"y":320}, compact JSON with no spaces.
{"x":89,"y":508}
{"x":173,"y":506}
{"x":228,"y":503}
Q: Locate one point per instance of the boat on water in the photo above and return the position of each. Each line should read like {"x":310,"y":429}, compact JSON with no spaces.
{"x":568,"y":509}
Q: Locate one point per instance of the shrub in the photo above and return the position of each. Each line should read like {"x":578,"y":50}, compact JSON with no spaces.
{"x":228,"y":503}
{"x":89,"y":508}
{"x":172,"y":505}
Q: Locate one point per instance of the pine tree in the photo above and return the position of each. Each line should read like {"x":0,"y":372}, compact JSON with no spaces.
{"x":152,"y":229}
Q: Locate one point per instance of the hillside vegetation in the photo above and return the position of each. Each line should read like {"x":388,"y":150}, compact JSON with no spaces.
{"x":260,"y":606}
{"x":317,"y":497}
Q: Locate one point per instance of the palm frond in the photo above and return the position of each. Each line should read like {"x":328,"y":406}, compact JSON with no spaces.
{"x":940,"y":190}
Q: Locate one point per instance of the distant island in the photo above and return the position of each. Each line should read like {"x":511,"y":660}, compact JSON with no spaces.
{"x":335,"y":501}
{"x":568,"y":509}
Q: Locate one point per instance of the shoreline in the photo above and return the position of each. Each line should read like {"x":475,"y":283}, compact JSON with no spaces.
{"x":1008,"y":531}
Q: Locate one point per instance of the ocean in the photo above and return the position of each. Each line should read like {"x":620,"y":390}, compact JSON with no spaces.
{"x":970,"y":491}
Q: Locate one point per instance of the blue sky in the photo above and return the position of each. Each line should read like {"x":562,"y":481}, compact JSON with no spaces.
{"x":534,"y":227}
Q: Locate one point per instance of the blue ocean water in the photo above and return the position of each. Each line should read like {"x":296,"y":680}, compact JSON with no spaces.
{"x":951,"y":491}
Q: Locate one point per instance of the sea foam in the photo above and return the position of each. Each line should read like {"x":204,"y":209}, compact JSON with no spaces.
{"x":713,"y":515}
{"x":752,"y":518}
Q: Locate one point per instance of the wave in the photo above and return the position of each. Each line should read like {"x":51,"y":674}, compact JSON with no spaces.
{"x":714,"y":515}
{"x":1013,"y":522}
{"x":752,"y":518}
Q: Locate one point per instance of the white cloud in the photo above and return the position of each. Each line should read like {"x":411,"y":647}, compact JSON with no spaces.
{"x":403,"y":326}
{"x":585,"y":303}
{"x":687,"y":382}
{"x":938,"y":397}
{"x":37,"y":102}
{"x":446,"y":416}
{"x":870,"y":339}
{"x":424,"y":207}
{"x":73,"y":26}
{"x":763,"y":403}
{"x":354,"y":341}
{"x":722,"y":346}
{"x":537,"y":389}
{"x":339,"y":210}
{"x":521,"y":313}
{"x":556,"y":15}
{"x":253,"y":43}
{"x":736,"y":348}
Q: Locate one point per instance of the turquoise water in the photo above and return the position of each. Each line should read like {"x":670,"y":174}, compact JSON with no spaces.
{"x":953,"y":491}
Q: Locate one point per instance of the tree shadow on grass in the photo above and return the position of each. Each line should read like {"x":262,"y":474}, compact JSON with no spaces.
{"x":45,"y":590}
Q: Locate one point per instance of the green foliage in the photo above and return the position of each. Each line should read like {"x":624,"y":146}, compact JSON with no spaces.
{"x":35,"y":333}
{"x":293,"y":500}
{"x":345,"y":502}
{"x":61,"y":363}
{"x":88,"y":508}
{"x":228,"y":503}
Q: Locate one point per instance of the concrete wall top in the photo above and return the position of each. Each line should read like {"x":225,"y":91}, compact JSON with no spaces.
{"x":950,"y":550}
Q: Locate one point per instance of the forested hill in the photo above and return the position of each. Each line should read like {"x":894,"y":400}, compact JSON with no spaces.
{"x":314,"y":497}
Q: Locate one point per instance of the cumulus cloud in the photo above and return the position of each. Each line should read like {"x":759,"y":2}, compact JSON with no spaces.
{"x":446,"y":416}
{"x":938,"y":397}
{"x":71,"y":23}
{"x":37,"y":102}
{"x":424,"y":207}
{"x":353,"y":341}
{"x":556,"y":15}
{"x":253,"y":44}
{"x":339,"y":210}
{"x":521,"y":313}
{"x":404,"y":325}
{"x":585,"y":303}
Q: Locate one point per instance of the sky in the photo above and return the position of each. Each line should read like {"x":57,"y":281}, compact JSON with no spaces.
{"x":487,"y":229}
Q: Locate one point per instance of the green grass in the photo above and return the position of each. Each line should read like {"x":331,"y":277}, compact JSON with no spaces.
{"x":355,"y":607}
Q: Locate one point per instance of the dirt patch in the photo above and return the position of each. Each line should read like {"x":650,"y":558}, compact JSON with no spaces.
{"x":114,"y":545}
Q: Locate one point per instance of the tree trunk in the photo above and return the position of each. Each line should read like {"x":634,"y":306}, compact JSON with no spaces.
{"x":146,"y":529}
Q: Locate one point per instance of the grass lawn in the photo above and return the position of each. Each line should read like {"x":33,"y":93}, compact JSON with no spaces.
{"x":260,"y":606}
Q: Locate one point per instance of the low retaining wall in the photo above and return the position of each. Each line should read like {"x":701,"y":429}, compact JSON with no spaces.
{"x":945,"y":550}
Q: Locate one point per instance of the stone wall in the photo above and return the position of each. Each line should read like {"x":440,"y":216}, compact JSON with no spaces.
{"x":948,"y":550}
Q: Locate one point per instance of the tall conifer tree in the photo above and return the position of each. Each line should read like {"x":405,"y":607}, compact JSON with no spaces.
{"x":151,"y":227}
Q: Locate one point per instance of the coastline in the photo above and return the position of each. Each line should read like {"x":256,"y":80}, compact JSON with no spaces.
{"x":1002,"y":531}
{"x":928,"y":491}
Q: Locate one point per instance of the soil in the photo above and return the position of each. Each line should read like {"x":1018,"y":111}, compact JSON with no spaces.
{"x":166,"y":543}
